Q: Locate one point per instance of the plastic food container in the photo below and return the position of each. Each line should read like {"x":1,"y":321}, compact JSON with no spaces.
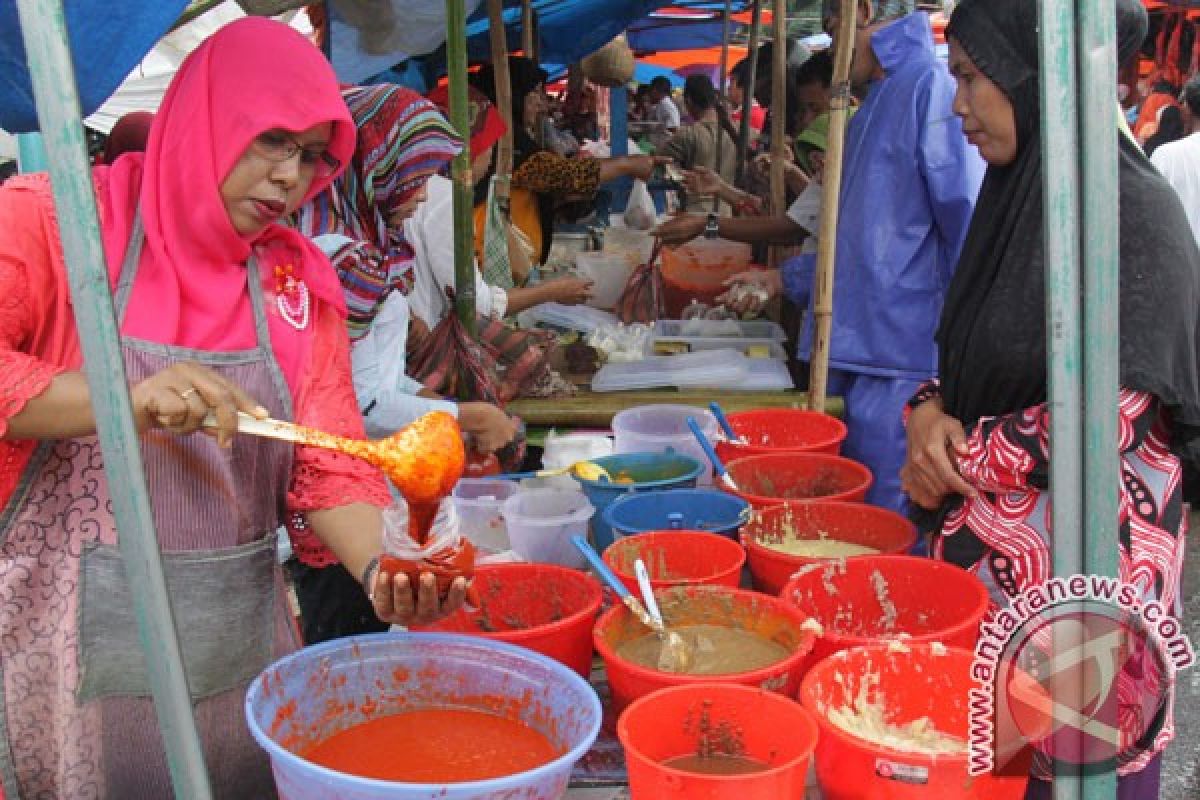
{"x":661,"y":428}
{"x":719,"y":329}
{"x":544,"y":607}
{"x":848,"y":601}
{"x":710,"y":368}
{"x":631,"y":244}
{"x":857,"y":523}
{"x":478,"y":502}
{"x":766,"y":616}
{"x":541,"y":523}
{"x":608,"y":273}
{"x":563,"y":450}
{"x":682,"y":509}
{"x":698,"y":270}
{"x":663,"y":726}
{"x":302,"y":699}
{"x":783,"y":430}
{"x":917,"y":681}
{"x":677,"y":558}
{"x":635,"y":472}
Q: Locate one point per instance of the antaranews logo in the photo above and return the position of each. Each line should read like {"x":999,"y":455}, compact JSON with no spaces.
{"x":1080,"y":668}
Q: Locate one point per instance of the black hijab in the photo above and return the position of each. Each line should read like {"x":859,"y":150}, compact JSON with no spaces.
{"x":524,"y":76}
{"x":992,"y":337}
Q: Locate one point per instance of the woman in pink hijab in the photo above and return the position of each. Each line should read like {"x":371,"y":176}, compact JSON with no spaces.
{"x":221,"y":309}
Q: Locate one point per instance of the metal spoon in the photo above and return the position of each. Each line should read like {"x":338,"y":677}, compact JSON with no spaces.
{"x":675,"y":656}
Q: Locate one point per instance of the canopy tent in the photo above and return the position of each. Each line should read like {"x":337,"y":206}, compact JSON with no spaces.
{"x":143,"y":90}
{"x":107,"y":41}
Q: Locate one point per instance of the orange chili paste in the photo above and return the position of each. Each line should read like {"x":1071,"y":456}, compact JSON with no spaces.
{"x":435,"y":746}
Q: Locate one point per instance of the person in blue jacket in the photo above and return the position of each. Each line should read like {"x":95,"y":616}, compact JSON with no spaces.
{"x":909,"y":184}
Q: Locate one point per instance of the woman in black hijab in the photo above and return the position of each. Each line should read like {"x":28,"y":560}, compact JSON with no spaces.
{"x":978,"y":444}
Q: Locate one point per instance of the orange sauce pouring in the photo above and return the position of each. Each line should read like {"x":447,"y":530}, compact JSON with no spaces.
{"x":435,"y":746}
{"x":423,"y":460}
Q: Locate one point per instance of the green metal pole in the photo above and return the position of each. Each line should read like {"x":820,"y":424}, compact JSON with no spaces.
{"x":31,"y":153}
{"x":1060,"y":177}
{"x":44,"y":31}
{"x":464,"y":189}
{"x":1096,"y":32}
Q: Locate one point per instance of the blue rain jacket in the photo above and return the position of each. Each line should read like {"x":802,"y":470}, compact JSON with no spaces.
{"x":908,"y":191}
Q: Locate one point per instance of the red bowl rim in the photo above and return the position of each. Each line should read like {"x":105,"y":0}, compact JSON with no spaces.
{"x":850,"y":640}
{"x":867,"y":479}
{"x":590,"y":610}
{"x":756,"y":548}
{"x":766,"y":449}
{"x":807,"y":640}
{"x":805,"y":719}
{"x":672,"y":534}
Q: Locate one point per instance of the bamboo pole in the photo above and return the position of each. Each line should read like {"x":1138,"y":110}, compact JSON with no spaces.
{"x":528,"y":30}
{"x":831,"y":194}
{"x":723,"y":89}
{"x":751,"y":75}
{"x":779,"y":112}
{"x":44,"y":31}
{"x":464,"y":189}
{"x":504,"y":153}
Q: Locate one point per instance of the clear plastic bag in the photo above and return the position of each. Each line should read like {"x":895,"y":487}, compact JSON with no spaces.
{"x":446,"y":553}
{"x":640,"y":213}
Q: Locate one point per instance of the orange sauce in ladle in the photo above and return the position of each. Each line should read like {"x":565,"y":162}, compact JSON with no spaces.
{"x":423,"y":461}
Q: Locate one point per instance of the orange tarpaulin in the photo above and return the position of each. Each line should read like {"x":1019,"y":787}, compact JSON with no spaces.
{"x":673,"y":59}
{"x":747,"y":17}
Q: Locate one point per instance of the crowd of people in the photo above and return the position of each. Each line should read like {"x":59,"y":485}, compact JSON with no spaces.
{"x":220,"y":268}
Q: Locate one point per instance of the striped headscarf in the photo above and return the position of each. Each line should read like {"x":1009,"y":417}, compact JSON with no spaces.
{"x":403,"y":140}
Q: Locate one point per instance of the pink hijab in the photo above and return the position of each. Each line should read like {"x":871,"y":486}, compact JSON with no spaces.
{"x":249,"y":77}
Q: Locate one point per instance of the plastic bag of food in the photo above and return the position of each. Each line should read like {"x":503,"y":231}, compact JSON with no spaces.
{"x":446,"y":552}
{"x":640,"y":213}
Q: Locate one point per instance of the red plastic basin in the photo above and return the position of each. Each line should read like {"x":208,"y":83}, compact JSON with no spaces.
{"x":770,"y":431}
{"x":857,"y":523}
{"x":770,"y":729}
{"x":678,"y":558}
{"x":543,"y":607}
{"x":771,"y":480}
{"x":918,"y":682}
{"x":869,"y":600}
{"x":766,"y":616}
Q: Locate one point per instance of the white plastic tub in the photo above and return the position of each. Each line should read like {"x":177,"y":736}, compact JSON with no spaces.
{"x":663,"y":428}
{"x":541,"y":523}
{"x":608,"y":272}
{"x":478,"y":502}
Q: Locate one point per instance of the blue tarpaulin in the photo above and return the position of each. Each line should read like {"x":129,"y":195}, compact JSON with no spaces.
{"x":107,"y":41}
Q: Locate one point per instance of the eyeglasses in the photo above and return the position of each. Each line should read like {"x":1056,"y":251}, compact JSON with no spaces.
{"x":278,"y":148}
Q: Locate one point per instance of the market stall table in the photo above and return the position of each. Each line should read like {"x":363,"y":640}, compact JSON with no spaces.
{"x":596,"y":409}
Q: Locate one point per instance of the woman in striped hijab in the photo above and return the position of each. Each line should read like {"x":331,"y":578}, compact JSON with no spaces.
{"x":403,"y":140}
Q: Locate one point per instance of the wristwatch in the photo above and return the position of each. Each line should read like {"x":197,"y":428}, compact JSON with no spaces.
{"x":712,"y":228}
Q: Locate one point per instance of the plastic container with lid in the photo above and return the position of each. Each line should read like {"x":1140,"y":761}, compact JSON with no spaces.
{"x":541,"y":523}
{"x":719,"y":329}
{"x":697,"y":271}
{"x":478,"y":502}
{"x":707,"y":369}
{"x":608,"y":272}
{"x":662,"y":428}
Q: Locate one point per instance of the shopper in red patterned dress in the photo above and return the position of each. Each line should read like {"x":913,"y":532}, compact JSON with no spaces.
{"x":978,"y":439}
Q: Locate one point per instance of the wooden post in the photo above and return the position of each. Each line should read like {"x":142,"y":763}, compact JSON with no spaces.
{"x":528,"y":30}
{"x":464,"y":187}
{"x":743,"y":145}
{"x":44,"y":31}
{"x":504,"y":153}
{"x":831,"y":193}
{"x":723,"y":88}
{"x":779,"y":112}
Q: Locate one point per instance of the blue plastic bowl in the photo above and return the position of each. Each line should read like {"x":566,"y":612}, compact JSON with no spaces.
{"x":686,"y":509}
{"x":647,"y":471}
{"x":406,"y":672}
